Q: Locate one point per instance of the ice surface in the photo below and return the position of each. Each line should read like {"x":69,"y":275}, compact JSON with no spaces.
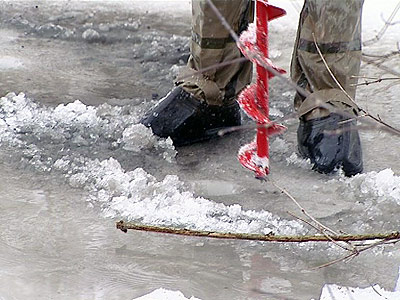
{"x":336,"y":292}
{"x":163,"y":294}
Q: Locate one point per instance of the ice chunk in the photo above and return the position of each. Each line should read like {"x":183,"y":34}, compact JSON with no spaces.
{"x":133,"y":195}
{"x":91,"y":35}
{"x":383,"y":185}
{"x":294,"y":159}
{"x":138,"y":137}
{"x":163,"y":294}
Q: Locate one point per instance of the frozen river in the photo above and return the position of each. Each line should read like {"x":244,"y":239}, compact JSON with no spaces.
{"x":70,"y":169}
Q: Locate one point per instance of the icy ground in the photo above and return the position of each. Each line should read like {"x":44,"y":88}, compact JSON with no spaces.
{"x":70,"y":168}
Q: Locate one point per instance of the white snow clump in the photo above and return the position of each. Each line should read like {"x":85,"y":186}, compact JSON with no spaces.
{"x":163,"y":294}
{"x":91,"y":35}
{"x":383,"y":185}
{"x":138,"y":137}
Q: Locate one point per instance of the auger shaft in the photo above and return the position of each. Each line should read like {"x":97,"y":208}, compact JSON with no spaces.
{"x":262,"y":78}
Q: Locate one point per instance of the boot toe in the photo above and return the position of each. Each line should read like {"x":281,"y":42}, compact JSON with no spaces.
{"x":330,"y":145}
{"x":187,"y":120}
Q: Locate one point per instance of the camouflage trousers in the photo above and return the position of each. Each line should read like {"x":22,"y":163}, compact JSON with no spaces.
{"x":335,"y":25}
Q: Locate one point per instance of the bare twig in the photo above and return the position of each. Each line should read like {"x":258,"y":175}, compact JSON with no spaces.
{"x":384,"y":28}
{"x":324,"y":233}
{"x":385,"y":56}
{"x":323,"y":227}
{"x":363,"y":248}
{"x":333,"y":75}
{"x":379,"y":66}
{"x":257,"y":125}
{"x":336,"y":261}
{"x":375,"y":80}
{"x":388,"y":127}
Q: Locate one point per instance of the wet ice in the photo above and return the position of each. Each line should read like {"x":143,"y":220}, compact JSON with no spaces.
{"x":88,"y":147}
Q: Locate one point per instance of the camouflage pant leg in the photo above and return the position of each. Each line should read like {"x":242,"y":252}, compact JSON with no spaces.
{"x":211,"y":45}
{"x":336,"y":26}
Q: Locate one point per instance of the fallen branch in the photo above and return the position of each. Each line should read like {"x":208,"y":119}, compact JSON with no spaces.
{"x":125,"y":226}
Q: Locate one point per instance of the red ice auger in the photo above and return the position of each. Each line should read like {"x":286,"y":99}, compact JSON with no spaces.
{"x":254,"y":100}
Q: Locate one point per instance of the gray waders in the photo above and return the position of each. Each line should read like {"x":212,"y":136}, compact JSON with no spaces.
{"x":204,"y":102}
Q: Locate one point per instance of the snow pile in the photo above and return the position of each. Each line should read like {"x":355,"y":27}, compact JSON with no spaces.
{"x":335,"y":292}
{"x":382,"y":186}
{"x":65,"y":140}
{"x":163,"y":294}
{"x":138,"y":196}
{"x":76,"y":124}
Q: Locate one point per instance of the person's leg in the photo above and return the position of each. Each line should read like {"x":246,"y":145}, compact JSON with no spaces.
{"x":203,"y":102}
{"x":336,"y":27}
{"x":211,"y":45}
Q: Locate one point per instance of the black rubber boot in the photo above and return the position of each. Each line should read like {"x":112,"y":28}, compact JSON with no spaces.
{"x":187,"y":120}
{"x":330,"y":145}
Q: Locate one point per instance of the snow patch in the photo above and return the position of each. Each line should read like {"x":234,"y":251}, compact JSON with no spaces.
{"x":279,"y":146}
{"x":383,"y":185}
{"x":163,"y":294}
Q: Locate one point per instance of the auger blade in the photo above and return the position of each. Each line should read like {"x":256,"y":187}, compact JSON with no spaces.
{"x":255,"y":99}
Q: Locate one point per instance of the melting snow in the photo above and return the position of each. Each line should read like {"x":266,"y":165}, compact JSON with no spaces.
{"x":383,"y":185}
{"x":133,"y":195}
{"x":163,"y":294}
